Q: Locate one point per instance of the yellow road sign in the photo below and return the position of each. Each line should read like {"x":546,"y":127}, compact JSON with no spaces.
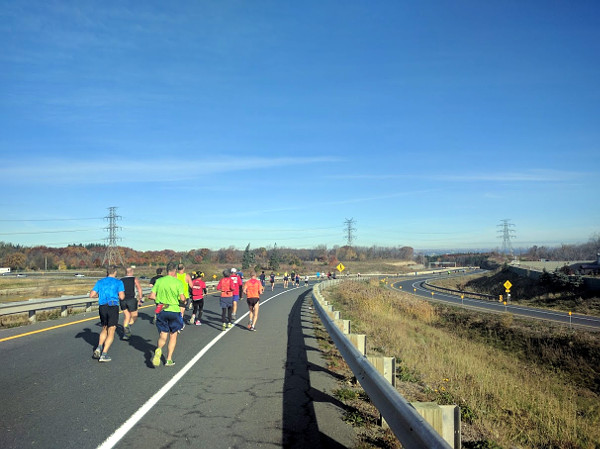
{"x":507,"y":286}
{"x":341,"y":267}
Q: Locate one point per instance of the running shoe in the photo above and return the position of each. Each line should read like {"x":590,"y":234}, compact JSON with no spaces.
{"x":169,"y":363}
{"x":198,"y":323}
{"x":250,"y":325}
{"x":126,"y":336}
{"x":252,"y":329}
{"x":224,"y":326}
{"x":230,"y":325}
{"x":96,"y":354}
{"x":156,"y":358}
{"x":104,"y":358}
{"x":233,"y":316}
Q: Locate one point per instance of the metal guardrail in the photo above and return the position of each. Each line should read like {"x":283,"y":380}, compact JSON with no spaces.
{"x":466,"y":294}
{"x":411,"y":429}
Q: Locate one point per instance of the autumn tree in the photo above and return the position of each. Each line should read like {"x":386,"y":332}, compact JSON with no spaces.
{"x":16,"y":261}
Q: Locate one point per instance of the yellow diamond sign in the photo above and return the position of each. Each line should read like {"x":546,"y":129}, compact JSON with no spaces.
{"x":341,"y":267}
{"x":507,"y":286}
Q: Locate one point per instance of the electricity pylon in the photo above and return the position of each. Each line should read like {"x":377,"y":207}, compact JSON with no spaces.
{"x":507,"y":234}
{"x":349,"y":230}
{"x":112,"y":255}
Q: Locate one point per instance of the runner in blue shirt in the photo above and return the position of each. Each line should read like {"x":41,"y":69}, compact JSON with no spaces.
{"x":109,"y":292}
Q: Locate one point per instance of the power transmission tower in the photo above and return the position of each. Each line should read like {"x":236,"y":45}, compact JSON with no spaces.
{"x":112,"y":255}
{"x":507,"y":234}
{"x":349,"y":230}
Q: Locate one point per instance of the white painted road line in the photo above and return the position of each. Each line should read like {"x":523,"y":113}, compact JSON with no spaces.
{"x":112,"y":440}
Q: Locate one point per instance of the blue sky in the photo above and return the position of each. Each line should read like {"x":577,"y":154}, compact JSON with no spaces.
{"x":217,"y":124}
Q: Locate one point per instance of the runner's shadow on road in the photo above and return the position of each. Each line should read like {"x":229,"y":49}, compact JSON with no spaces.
{"x":141,"y":344}
{"x":300,"y":421}
{"x":88,"y":336}
{"x":145,"y":316}
{"x":214,"y":322}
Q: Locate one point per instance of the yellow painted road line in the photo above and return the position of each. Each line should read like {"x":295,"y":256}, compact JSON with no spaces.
{"x":57,"y":327}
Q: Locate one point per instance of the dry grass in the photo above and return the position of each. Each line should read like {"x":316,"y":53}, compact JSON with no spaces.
{"x":503,"y":398}
{"x":22,"y":289}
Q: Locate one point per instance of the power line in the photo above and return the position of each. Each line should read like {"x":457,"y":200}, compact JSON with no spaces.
{"x":50,"y":219}
{"x":46,"y":232}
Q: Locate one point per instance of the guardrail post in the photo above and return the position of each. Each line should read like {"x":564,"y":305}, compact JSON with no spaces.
{"x":445,"y":419}
{"x":64,"y":311}
{"x":386,"y":366}
{"x":359,"y":341}
{"x":32,"y":316}
{"x":88,"y":306}
{"x":333,"y":314}
{"x":343,"y":325}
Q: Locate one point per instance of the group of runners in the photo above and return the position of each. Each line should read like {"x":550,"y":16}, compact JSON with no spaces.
{"x":173,"y":293}
{"x":294,"y":277}
{"x":232,"y":288}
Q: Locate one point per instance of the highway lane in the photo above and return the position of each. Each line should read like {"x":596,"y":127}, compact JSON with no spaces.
{"x":414,"y":286}
{"x":228,"y":389}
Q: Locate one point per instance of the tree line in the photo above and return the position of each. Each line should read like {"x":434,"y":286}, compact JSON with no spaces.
{"x":585,"y":251}
{"x":78,"y":256}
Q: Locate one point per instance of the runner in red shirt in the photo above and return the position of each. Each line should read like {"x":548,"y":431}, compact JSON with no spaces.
{"x":198,"y":292}
{"x":225,"y":286}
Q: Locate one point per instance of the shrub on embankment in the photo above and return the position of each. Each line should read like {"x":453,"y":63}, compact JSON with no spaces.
{"x":518,"y":384}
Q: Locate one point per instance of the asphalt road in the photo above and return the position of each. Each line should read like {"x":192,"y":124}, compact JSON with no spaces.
{"x":414,"y":286}
{"x":233,"y":389}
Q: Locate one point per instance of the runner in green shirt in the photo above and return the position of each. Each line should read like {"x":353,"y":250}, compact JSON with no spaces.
{"x":169,"y":295}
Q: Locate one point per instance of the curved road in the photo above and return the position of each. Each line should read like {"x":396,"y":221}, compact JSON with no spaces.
{"x":415,"y":286}
{"x":268,"y":388}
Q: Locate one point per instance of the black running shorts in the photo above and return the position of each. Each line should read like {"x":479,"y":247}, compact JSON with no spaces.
{"x":109,"y":315}
{"x":129,"y":304}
